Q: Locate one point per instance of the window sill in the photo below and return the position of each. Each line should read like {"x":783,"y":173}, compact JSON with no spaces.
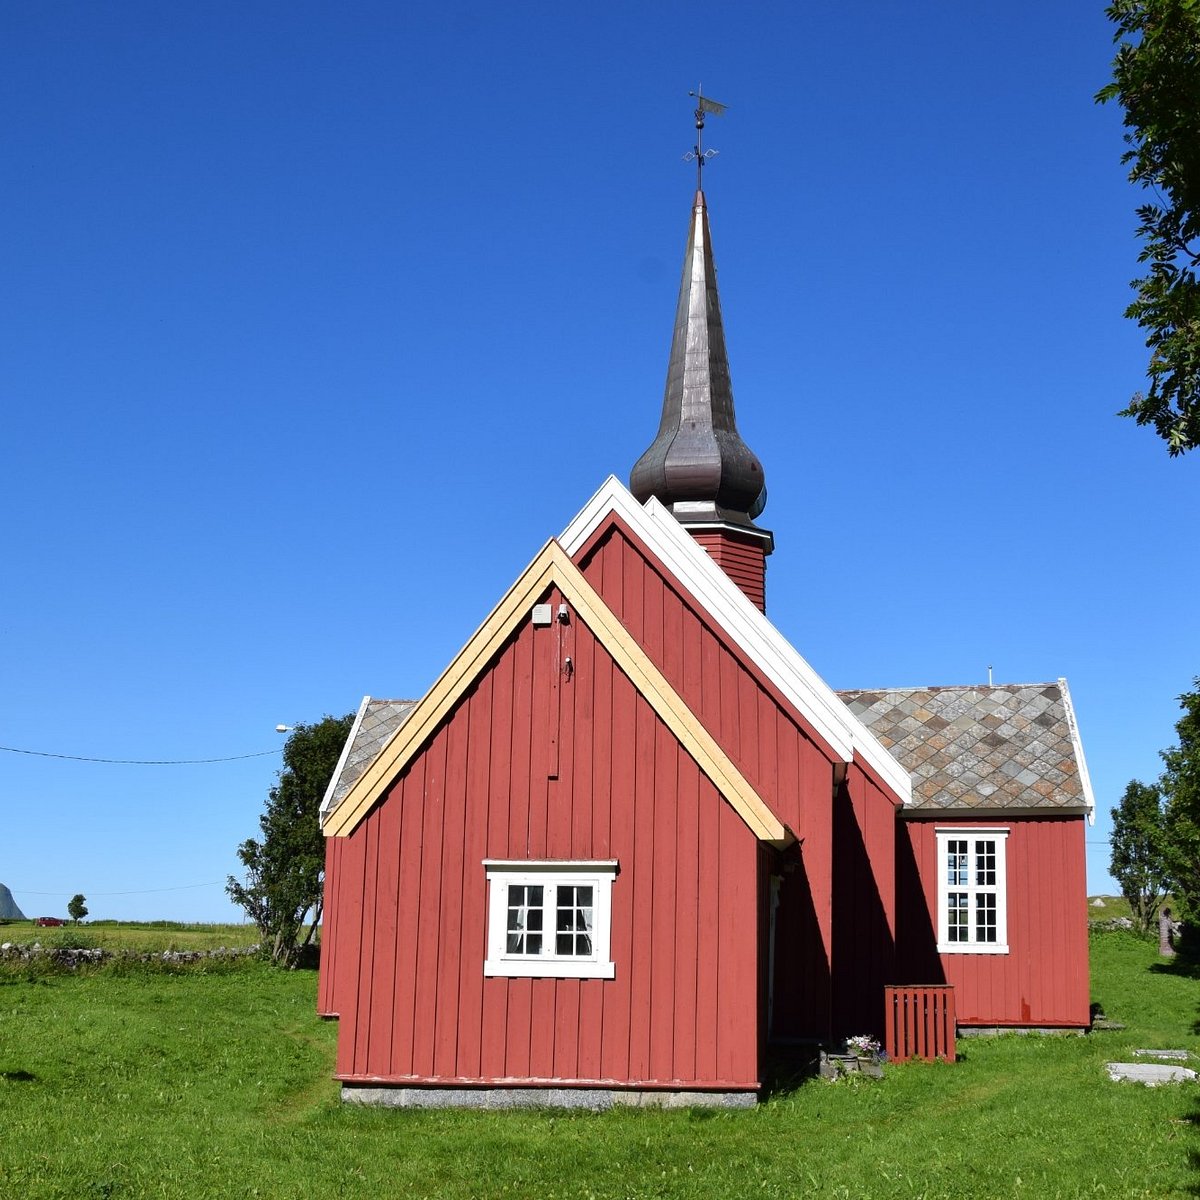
{"x":971,"y":948}
{"x":547,"y":968}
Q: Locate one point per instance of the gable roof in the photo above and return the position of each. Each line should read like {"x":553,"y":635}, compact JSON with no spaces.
{"x":750,"y":630}
{"x":1010,"y":746}
{"x":373,"y":727}
{"x":350,"y":803}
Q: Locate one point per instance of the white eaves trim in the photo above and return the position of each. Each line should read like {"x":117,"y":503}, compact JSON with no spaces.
{"x":732,"y":609}
{"x":1084,"y":778}
{"x":327,"y":800}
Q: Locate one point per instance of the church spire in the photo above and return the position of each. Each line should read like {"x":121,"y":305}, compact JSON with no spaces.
{"x":698,"y":465}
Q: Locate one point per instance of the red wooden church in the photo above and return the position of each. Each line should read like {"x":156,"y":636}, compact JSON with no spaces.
{"x":629,"y":838}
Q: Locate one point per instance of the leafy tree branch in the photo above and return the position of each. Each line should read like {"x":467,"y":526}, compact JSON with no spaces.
{"x":1156,"y":79}
{"x":1139,"y":851}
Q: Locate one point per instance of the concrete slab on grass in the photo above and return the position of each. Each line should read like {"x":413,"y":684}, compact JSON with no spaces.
{"x":1150,"y":1074}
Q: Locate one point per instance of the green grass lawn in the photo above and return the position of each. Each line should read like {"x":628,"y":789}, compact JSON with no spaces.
{"x":215,"y":1082}
{"x":1114,"y":906}
{"x":154,"y":936}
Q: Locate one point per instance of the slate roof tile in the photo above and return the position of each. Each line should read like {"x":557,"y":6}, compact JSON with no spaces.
{"x":379,"y":722}
{"x":995,"y":746}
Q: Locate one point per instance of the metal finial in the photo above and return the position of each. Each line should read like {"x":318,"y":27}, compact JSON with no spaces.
{"x":697,"y":152}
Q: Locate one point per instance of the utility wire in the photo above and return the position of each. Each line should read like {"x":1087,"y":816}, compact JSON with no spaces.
{"x":183,"y":887}
{"x":142,"y":762}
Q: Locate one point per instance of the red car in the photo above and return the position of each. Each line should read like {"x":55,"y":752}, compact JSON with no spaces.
{"x":49,"y":921}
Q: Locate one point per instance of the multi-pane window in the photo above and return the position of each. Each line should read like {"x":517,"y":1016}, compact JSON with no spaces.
{"x":574,"y":919}
{"x":549,"y":918}
{"x":972,"y":915}
{"x":529,"y":904}
{"x":524,"y":918}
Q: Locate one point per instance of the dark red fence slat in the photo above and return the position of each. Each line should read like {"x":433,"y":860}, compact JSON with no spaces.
{"x":920,"y":1022}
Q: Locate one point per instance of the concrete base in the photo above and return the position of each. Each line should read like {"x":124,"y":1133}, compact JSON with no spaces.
{"x":595,"y":1099}
{"x":968,"y":1031}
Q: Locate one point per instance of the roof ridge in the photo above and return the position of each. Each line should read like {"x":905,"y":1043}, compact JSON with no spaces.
{"x":953,"y":687}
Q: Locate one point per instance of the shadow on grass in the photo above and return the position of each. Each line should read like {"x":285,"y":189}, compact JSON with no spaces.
{"x":789,"y":1067}
{"x":1185,"y":967}
{"x":18,"y":1076}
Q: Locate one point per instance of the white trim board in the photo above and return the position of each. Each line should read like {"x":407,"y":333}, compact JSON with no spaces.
{"x":1085,"y":779}
{"x":335,"y":779}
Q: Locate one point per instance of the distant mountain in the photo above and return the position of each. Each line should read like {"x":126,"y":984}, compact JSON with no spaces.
{"x":8,"y":906}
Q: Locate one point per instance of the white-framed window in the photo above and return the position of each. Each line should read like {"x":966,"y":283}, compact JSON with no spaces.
{"x":549,"y":918}
{"x":972,"y":891}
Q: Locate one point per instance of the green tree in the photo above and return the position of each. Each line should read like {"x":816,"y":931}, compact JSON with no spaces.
{"x":1156,"y":78}
{"x":1180,"y":784}
{"x":1139,"y":852}
{"x":285,"y":870}
{"x":77,"y":908}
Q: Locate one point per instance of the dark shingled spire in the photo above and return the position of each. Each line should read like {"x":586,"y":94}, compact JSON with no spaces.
{"x":698,"y":464}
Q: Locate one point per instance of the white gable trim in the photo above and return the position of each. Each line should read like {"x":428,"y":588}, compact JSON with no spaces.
{"x":762,"y":643}
{"x":327,"y":801}
{"x":1084,"y":778}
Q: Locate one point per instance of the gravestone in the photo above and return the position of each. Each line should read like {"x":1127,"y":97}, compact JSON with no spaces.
{"x":1167,"y":929}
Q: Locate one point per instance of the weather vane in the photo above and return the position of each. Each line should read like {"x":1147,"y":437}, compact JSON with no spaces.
{"x":697,"y":152}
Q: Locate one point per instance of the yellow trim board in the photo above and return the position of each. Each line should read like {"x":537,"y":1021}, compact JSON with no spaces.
{"x":553,"y":567}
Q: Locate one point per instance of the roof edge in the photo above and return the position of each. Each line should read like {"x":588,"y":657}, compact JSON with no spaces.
{"x":1085,"y":778}
{"x":966,"y":812}
{"x":327,"y":799}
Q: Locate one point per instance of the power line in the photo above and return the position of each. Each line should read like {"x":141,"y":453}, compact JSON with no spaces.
{"x":183,"y":887}
{"x":142,"y":762}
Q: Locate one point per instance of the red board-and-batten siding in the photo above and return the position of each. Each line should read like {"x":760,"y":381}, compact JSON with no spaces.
{"x":531,"y":765}
{"x":743,"y":561}
{"x":835,"y":943}
{"x":1043,"y":980}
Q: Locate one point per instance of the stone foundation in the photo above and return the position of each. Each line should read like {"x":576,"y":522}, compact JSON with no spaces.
{"x":595,"y":1099}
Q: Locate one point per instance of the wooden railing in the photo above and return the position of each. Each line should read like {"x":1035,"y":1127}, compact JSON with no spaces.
{"x":920,"y":1022}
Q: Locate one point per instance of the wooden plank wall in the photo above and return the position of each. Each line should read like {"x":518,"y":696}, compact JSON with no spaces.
{"x":1043,"y":980}
{"x":785,"y":761}
{"x":533,"y":765}
{"x":864,"y":903}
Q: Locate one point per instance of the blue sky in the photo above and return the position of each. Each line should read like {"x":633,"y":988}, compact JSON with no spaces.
{"x":316,"y":321}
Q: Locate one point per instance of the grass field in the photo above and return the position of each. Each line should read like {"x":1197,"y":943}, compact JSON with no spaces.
{"x":215,"y":1082}
{"x":154,"y":936}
